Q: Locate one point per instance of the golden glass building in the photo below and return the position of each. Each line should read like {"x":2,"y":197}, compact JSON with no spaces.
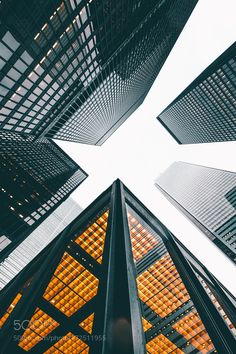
{"x":116,"y":281}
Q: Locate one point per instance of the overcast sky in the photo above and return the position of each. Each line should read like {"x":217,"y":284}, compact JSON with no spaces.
{"x":141,"y":149}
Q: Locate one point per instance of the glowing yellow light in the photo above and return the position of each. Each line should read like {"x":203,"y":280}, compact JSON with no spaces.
{"x":161,"y":344}
{"x":71,"y":286}
{"x":40,"y":325}
{"x":142,"y":241}
{"x":87,"y":324}
{"x":9,"y":310}
{"x":192,"y":328}
{"x":68,"y":344}
{"x":92,"y":240}
{"x":161,"y":288}
{"x":146,"y":324}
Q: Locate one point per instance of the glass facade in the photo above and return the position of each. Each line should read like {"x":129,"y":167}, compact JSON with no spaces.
{"x":92,"y":240}
{"x":78,"y":69}
{"x":70,"y":291}
{"x":70,"y":308}
{"x":205,"y":195}
{"x":171,"y":321}
{"x":205,"y":111}
{"x":18,"y":258}
{"x":36,"y":177}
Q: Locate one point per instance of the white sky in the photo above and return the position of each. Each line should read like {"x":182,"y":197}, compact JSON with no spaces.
{"x":141,"y":149}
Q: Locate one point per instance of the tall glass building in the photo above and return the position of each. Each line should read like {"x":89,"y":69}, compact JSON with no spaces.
{"x":76,"y":69}
{"x":207,"y":196}
{"x":118,"y":282}
{"x":18,"y":256}
{"x":205,"y":111}
{"x":35,"y":177}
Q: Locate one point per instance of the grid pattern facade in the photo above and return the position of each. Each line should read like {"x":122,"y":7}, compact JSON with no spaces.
{"x":205,"y":111}
{"x":87,"y":324}
{"x":202,"y":193}
{"x":68,"y":311}
{"x":79,"y":68}
{"x":176,"y":326}
{"x":36,"y":177}
{"x":67,"y":299}
{"x":93,"y":239}
{"x":71,"y":286}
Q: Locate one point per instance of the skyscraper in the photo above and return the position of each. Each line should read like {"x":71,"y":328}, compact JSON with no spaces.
{"x":205,"y":111}
{"x":207,"y":197}
{"x":75,"y":70}
{"x":36,"y":176}
{"x":118,"y":282}
{"x":19,"y":256}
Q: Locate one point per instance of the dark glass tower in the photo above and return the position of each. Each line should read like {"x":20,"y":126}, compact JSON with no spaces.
{"x":207,"y":197}
{"x":76,"y":69}
{"x":36,"y":176}
{"x":118,"y":282}
{"x":205,"y":111}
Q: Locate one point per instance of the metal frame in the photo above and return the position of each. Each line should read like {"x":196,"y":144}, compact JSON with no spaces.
{"x":117,"y":300}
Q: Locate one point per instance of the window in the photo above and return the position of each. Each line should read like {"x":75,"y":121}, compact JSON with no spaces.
{"x":10,"y":41}
{"x":5,"y":52}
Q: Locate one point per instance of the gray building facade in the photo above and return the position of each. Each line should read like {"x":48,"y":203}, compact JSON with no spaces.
{"x":206,"y":196}
{"x":206,"y":110}
{"x":19,"y":257}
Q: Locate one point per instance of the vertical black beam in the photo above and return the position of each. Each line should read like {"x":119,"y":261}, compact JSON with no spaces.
{"x":218,"y":331}
{"x":120,"y":306}
{"x":97,"y":346}
{"x":135,"y":305}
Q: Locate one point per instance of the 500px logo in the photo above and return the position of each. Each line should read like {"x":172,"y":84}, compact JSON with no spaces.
{"x":23,"y":324}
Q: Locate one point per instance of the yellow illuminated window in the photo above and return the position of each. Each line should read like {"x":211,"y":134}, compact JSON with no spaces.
{"x":92,"y":240}
{"x":39,"y":327}
{"x":9,"y":310}
{"x":161,"y":288}
{"x":142,"y":240}
{"x":192,"y":329}
{"x":146,"y":324}
{"x":69,"y":344}
{"x":162,"y":345}
{"x":87,"y":324}
{"x":71,"y":286}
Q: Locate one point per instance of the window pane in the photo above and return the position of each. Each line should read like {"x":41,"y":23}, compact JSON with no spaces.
{"x":7,"y":82}
{"x":19,"y":65}
{"x":26,"y":57}
{"x":10,"y":41}
{"x":5,"y":52}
